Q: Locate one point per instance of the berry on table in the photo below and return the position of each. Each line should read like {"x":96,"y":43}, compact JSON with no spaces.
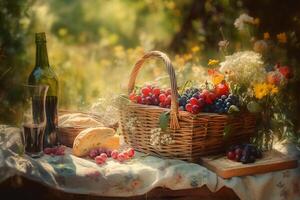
{"x":130,"y":152}
{"x":99,"y":160}
{"x":114,"y":154}
{"x":230,"y":155}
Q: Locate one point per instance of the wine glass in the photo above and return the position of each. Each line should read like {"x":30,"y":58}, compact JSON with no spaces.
{"x":34,"y":119}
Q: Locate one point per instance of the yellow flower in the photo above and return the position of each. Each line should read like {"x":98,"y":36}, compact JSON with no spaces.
{"x":195,"y":49}
{"x":273,"y":89}
{"x":213,"y":62}
{"x":266,"y":35}
{"x":281,"y":37}
{"x":260,"y":90}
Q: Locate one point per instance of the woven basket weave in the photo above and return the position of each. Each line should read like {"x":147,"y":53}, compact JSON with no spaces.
{"x":193,"y":135}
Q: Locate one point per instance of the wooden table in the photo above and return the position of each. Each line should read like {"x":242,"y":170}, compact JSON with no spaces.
{"x":18,"y":187}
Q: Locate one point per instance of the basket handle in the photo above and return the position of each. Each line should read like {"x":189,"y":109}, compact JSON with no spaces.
{"x":174,"y":124}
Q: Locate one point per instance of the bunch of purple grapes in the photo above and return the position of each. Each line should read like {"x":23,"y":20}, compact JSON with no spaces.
{"x":223,"y":104}
{"x":245,"y":153}
{"x":96,"y":152}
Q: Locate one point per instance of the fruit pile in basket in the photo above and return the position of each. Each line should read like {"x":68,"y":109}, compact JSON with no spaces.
{"x":193,"y":100}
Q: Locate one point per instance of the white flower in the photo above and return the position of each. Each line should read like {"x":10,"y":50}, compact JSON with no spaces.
{"x":159,"y":138}
{"x":244,"y":68}
{"x":131,"y":124}
{"x":239,"y":23}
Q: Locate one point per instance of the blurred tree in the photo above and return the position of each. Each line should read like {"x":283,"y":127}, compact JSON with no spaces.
{"x":14,"y":23}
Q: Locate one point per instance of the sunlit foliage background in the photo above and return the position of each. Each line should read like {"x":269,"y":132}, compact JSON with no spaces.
{"x":93,"y":44}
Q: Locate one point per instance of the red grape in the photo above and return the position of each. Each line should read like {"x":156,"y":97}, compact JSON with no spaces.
{"x":188,"y":107}
{"x":132,"y":96}
{"x":162,"y":97}
{"x":146,"y":91}
{"x":138,"y":99}
{"x":156,"y":91}
{"x":238,"y":151}
{"x":230,"y":155}
{"x":169,"y":91}
{"x":168,"y":100}
{"x":193,"y":101}
{"x":195,"y":109}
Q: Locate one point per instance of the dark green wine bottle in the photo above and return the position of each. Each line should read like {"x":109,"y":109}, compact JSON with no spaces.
{"x":42,"y":74}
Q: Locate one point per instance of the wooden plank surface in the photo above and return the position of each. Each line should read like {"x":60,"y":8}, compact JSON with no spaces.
{"x":271,"y":161}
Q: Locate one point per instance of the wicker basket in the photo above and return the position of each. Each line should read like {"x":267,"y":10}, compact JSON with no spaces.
{"x":193,"y":135}
{"x":67,"y":135}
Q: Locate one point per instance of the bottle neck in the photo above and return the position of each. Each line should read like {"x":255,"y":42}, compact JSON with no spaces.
{"x":41,"y":59}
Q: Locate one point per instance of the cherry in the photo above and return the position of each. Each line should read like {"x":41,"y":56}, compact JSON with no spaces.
{"x":195,"y":109}
{"x":169,"y":91}
{"x":99,"y":160}
{"x":162,"y":97}
{"x":138,"y":99}
{"x":121,"y":157}
{"x":156,"y":91}
{"x":168,"y":100}
{"x":194,"y":101}
{"x":231,"y":155}
{"x":188,"y":107}
{"x":131,"y":152}
{"x":104,"y":156}
{"x":132,"y":96}
{"x":114,"y":154}
{"x":146,"y":91}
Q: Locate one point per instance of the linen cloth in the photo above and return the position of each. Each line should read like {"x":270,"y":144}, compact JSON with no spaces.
{"x":139,"y":175}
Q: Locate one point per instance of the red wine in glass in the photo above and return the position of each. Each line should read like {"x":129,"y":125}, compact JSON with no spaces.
{"x":33,"y":135}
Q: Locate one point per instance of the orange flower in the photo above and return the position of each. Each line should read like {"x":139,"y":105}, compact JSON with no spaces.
{"x":216,"y":76}
{"x":281,"y":37}
{"x":266,"y":35}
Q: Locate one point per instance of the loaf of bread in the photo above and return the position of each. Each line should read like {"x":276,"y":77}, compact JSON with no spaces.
{"x":92,"y":138}
{"x":77,"y":119}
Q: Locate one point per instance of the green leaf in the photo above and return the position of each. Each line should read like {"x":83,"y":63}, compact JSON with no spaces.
{"x":164,"y":120}
{"x":233,"y":109}
{"x":254,"y":107}
{"x":227,"y":131}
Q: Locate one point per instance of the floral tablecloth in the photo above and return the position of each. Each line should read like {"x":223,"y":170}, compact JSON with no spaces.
{"x":140,"y":175}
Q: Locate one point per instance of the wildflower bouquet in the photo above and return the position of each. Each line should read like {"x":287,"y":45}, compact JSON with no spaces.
{"x":256,"y":76}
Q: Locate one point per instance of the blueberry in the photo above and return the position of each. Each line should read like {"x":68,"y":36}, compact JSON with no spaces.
{"x":226,"y":109}
{"x":228,"y":104}
{"x":182,"y":101}
{"x":220,"y":100}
